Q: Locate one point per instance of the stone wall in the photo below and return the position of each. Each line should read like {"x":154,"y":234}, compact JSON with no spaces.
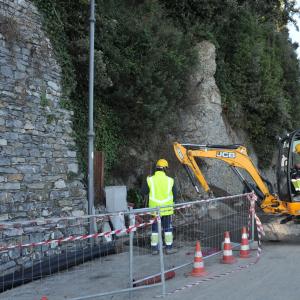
{"x":39,"y":174}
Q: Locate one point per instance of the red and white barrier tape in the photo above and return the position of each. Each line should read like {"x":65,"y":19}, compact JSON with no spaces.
{"x":80,"y":237}
{"x":49,"y":221}
{"x":259,"y":227}
{"x":53,"y":221}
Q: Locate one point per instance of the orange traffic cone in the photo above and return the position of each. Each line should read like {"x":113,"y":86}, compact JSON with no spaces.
{"x":198,"y":269}
{"x":228,"y":258}
{"x":44,"y":298}
{"x":245,"y":249}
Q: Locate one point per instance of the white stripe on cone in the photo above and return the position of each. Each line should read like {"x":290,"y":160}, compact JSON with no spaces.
{"x":245,"y":236}
{"x":245,"y":247}
{"x":227,"y":240}
{"x":227,"y":253}
{"x":198,"y":264}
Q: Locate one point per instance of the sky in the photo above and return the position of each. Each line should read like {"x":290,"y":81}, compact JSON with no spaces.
{"x":294,"y":34}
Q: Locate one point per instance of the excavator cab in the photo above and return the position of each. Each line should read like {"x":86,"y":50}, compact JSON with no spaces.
{"x":288,"y":167}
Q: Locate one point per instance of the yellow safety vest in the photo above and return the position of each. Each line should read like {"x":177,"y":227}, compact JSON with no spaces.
{"x":160,"y":186}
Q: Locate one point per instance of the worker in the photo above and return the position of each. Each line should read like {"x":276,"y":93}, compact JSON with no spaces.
{"x":162,"y":192}
{"x":296,"y":169}
{"x":295,"y":178}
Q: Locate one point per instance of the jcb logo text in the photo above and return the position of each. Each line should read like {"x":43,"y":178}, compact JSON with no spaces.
{"x":226,"y":154}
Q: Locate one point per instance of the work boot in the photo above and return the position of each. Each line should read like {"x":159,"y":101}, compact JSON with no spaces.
{"x":155,"y":252}
{"x":171,"y":250}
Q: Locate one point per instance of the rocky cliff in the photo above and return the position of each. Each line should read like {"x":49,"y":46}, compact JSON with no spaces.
{"x":201,"y":121}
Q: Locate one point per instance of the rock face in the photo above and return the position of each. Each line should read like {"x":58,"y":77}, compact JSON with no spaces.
{"x":202,"y":121}
{"x":38,"y":164}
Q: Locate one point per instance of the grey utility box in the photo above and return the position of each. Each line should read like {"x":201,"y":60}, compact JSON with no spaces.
{"x":116,"y":200}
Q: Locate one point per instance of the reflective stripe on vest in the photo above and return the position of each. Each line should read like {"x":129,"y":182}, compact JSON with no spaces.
{"x":160,"y":186}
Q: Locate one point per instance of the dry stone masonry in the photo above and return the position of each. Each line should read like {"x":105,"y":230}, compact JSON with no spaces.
{"x":39,"y":175}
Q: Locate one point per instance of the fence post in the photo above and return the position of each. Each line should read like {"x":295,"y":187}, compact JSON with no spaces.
{"x":161,"y":254}
{"x":252,"y":225}
{"x":131,"y":223}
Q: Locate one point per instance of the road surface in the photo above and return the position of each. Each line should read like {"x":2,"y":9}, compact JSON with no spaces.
{"x":276,"y":276}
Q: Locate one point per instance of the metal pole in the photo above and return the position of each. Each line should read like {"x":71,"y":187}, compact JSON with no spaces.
{"x":161,"y":254}
{"x":252,"y":226}
{"x":132,"y":222}
{"x":91,"y":133}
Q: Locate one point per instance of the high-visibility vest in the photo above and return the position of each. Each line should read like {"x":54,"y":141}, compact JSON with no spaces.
{"x":160,"y":187}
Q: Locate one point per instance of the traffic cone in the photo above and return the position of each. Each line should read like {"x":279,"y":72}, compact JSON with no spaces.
{"x":44,"y":298}
{"x":228,"y":258}
{"x":245,"y":249}
{"x":198,"y":269}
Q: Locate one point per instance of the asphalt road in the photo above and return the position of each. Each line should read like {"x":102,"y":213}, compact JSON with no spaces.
{"x":276,"y":276}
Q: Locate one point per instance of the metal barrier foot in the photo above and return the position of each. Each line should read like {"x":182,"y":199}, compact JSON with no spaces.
{"x":155,"y":252}
{"x":170,"y":251}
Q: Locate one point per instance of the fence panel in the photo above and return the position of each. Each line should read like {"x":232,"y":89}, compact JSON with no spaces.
{"x":50,"y":249}
{"x":66,"y":259}
{"x":206,"y":221}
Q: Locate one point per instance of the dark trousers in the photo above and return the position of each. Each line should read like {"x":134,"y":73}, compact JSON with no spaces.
{"x":166,"y":226}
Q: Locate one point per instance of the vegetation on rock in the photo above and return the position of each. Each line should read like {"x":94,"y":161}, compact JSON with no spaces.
{"x":143,"y":58}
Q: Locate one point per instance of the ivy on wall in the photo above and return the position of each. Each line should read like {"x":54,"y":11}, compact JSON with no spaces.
{"x":142,"y":62}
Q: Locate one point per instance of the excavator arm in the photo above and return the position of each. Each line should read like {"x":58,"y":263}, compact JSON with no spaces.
{"x":236,"y":157}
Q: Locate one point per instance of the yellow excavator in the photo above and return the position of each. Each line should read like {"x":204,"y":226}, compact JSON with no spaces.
{"x":286,"y":201}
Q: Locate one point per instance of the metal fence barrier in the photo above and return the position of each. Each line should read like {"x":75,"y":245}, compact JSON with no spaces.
{"x":120,"y":257}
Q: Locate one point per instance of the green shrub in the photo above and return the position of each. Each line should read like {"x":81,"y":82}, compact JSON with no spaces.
{"x":257,"y":67}
{"x":142,"y":62}
{"x":143,"y":58}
